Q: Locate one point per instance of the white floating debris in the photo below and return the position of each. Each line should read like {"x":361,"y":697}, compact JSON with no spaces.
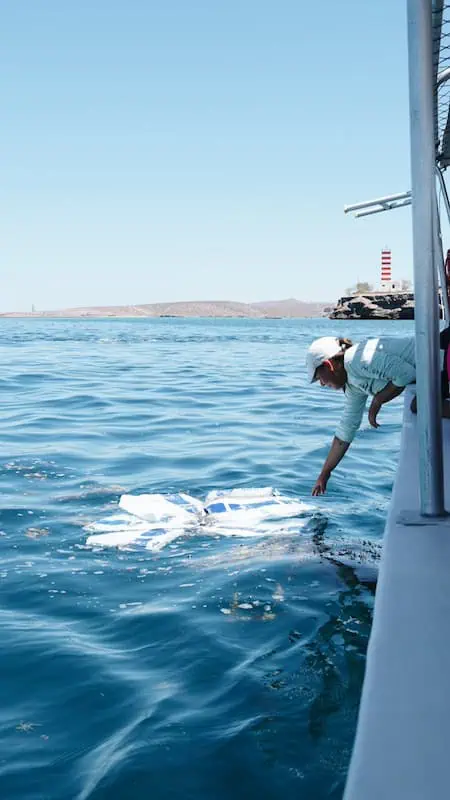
{"x":152,"y":521}
{"x":240,"y":505}
{"x":247,"y":494}
{"x":162,"y":508}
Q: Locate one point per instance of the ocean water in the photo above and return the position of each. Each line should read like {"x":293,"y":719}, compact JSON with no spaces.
{"x":215,"y":668}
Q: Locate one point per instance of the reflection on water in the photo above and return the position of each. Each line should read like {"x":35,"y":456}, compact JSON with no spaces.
{"x":217,"y":667}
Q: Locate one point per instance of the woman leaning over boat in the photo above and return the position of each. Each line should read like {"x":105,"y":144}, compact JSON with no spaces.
{"x":380,"y":368}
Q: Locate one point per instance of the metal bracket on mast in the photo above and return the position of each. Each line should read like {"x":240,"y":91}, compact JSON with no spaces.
{"x":380,"y":204}
{"x":392,"y":201}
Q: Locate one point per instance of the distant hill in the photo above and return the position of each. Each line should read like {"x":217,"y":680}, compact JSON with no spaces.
{"x":292,"y":308}
{"x":217,"y":308}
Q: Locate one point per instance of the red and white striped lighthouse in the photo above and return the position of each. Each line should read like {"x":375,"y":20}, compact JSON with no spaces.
{"x":386,"y":274}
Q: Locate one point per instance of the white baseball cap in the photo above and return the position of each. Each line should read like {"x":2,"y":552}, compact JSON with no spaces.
{"x":321,"y":350}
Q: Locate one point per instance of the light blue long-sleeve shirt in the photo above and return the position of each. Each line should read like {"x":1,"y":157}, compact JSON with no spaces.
{"x":370,"y":366}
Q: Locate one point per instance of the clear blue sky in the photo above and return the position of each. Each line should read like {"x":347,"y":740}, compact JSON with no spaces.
{"x":156,"y":150}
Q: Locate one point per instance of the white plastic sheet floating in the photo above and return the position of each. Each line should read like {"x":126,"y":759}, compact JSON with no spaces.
{"x":152,"y":521}
{"x":163,"y":508}
{"x":242,"y":506}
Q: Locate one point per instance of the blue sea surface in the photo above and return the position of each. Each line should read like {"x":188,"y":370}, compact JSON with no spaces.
{"x":216,"y":668}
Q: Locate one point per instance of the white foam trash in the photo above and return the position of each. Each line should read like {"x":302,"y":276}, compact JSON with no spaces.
{"x":163,"y":508}
{"x":151,"y":521}
{"x":253,"y":505}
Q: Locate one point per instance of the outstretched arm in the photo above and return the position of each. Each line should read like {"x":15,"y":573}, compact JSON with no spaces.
{"x":337,"y":452}
{"x":355,"y":401}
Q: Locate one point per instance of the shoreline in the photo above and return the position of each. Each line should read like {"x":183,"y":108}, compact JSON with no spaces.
{"x":283,"y":309}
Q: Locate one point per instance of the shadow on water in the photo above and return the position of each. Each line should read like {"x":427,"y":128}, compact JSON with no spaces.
{"x":337,"y":654}
{"x":318,"y":682}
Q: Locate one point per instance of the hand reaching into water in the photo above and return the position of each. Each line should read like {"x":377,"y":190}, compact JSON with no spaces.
{"x":338,"y":450}
{"x":320,"y":485}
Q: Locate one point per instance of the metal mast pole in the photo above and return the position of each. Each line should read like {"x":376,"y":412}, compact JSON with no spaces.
{"x":424,"y":236}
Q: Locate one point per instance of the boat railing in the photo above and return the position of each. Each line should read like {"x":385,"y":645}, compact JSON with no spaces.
{"x":429,"y":102}
{"x":401,"y":744}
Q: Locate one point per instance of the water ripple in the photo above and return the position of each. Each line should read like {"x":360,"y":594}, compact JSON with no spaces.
{"x":217,"y":667}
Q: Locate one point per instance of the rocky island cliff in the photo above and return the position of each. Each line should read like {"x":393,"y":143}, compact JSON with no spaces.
{"x":382,"y":305}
